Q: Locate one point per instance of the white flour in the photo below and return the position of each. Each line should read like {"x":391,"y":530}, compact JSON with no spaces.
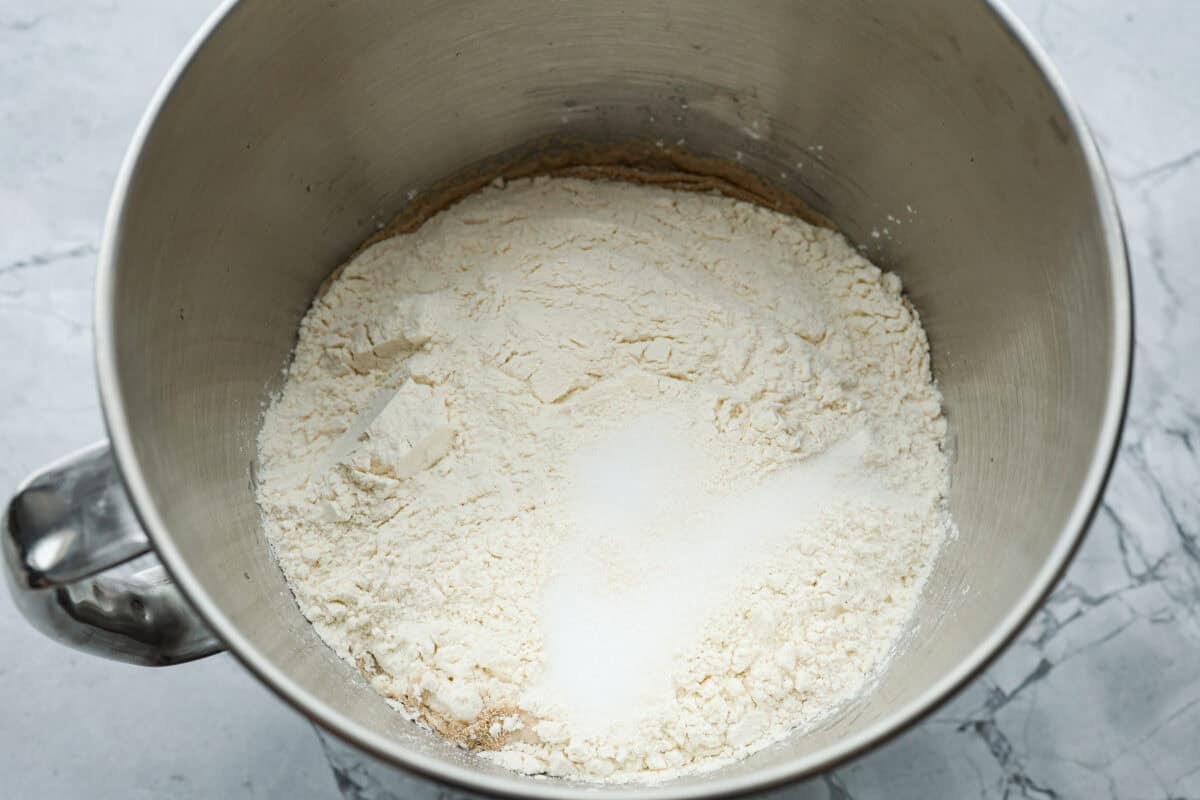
{"x":608,"y":481}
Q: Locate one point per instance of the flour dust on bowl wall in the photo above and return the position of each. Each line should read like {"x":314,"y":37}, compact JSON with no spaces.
{"x":609,"y":481}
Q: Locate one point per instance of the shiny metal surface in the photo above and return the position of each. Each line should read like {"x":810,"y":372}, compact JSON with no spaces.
{"x":80,"y":567}
{"x":288,"y":131}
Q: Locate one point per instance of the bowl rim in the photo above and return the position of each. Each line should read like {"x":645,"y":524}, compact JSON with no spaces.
{"x":1087,"y":501}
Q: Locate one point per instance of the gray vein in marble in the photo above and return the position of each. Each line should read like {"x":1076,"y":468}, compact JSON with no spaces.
{"x":1164,"y":170}
{"x":50,"y":257}
{"x":837,"y":791}
{"x":23,"y":25}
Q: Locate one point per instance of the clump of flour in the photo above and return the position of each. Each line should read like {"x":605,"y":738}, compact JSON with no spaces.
{"x":608,"y":481}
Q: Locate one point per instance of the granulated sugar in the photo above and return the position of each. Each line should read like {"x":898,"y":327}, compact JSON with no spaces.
{"x":656,"y":547}
{"x":608,"y":481}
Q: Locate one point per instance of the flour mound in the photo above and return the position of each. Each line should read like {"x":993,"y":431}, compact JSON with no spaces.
{"x":608,"y":481}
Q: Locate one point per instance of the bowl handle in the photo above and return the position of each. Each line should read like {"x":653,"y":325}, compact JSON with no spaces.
{"x":82,"y":570}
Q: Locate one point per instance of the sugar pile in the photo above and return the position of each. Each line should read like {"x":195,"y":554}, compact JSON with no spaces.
{"x":655,"y":548}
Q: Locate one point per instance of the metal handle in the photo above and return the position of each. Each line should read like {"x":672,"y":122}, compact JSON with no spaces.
{"x":83,"y":572}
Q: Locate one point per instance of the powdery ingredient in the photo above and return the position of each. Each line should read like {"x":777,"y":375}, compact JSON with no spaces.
{"x":608,"y":481}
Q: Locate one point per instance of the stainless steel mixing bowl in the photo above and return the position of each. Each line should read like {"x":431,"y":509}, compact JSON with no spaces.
{"x":289,"y":130}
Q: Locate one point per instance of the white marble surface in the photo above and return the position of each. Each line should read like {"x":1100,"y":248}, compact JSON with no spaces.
{"x":1100,"y":697}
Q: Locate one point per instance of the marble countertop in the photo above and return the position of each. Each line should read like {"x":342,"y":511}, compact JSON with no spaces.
{"x":1099,"y":697}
